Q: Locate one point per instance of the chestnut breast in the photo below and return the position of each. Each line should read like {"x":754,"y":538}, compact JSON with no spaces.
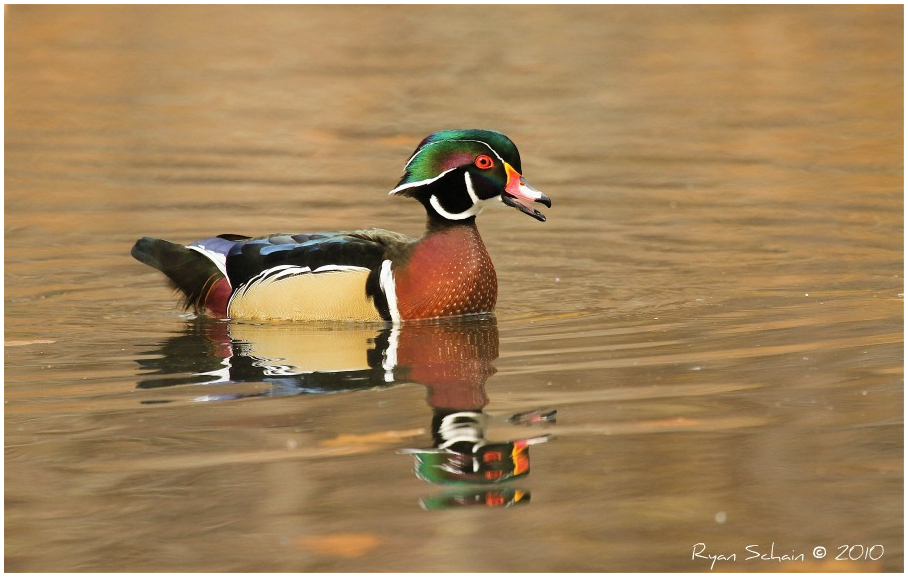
{"x":448,"y":273}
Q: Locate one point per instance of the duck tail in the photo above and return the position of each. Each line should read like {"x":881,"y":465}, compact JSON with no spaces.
{"x":192,"y":272}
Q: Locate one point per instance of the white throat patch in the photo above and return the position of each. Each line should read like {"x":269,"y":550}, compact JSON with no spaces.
{"x":474,"y":209}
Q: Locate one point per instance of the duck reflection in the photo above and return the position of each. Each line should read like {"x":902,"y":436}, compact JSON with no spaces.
{"x":451,"y":358}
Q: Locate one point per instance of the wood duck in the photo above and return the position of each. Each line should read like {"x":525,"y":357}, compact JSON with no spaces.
{"x":366,"y":275}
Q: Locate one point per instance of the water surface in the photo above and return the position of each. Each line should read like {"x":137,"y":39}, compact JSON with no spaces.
{"x":714,"y":307}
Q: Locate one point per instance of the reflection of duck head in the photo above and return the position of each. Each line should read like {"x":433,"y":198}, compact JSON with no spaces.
{"x":452,"y":358}
{"x":462,"y":455}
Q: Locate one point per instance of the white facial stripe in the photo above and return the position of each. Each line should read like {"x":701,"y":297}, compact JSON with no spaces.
{"x":495,"y":152}
{"x":477,"y":203}
{"x":418,"y":152}
{"x":470,"y":191}
{"x":421,"y":182}
{"x":472,"y":211}
{"x":475,"y":208}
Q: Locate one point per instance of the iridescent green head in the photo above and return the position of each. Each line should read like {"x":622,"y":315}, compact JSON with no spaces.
{"x":454,"y":173}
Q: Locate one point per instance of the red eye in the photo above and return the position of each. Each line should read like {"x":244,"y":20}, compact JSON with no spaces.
{"x":484,"y":162}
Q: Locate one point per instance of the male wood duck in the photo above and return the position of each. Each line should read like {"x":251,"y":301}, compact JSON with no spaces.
{"x":366,"y":275}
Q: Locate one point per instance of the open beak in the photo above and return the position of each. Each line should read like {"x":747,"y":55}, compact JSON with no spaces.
{"x":519,"y":194}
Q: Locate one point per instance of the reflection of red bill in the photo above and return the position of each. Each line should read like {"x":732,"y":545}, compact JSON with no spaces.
{"x":520,"y":195}
{"x":521,"y":456}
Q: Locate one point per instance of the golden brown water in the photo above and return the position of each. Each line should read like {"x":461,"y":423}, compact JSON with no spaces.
{"x":714,"y":307}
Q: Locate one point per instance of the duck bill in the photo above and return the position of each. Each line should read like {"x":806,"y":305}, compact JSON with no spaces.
{"x":520,"y":195}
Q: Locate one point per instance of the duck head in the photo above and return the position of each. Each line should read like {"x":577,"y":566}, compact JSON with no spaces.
{"x":455,"y":173}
